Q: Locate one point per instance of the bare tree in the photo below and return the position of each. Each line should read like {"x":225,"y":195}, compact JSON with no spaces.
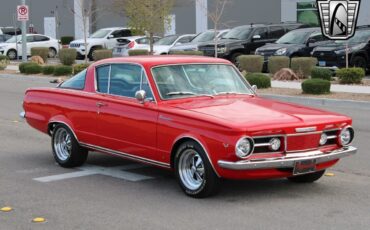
{"x":149,"y":16}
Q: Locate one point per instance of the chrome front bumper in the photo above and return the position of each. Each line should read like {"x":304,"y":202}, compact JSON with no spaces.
{"x":289,"y":160}
{"x":22,"y":114}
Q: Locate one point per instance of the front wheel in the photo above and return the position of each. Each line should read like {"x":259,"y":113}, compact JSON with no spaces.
{"x":307,"y":178}
{"x":12,"y":54}
{"x":66,"y":150}
{"x":194,"y":172}
{"x":52,"y":52}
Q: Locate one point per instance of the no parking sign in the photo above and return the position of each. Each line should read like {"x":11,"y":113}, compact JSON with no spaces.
{"x":23,"y":13}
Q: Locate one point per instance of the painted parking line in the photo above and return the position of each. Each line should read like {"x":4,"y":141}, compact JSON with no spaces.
{"x":119,"y":172}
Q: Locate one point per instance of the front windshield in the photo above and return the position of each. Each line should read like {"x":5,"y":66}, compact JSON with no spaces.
{"x":192,"y":80}
{"x":294,"y":37}
{"x":239,"y":33}
{"x":166,"y":41}
{"x":100,"y":34}
{"x":361,"y":36}
{"x":14,"y":39}
{"x":204,"y":37}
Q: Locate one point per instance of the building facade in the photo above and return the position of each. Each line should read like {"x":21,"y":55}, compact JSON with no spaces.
{"x":60,"y":17}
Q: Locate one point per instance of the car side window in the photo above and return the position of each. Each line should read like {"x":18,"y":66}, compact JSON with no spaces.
{"x":318,"y":37}
{"x":185,"y":39}
{"x":261,"y":32}
{"x":276,"y":32}
{"x":121,"y":33}
{"x":30,"y":38}
{"x":102,"y":78}
{"x":76,"y":82}
{"x":38,"y":38}
{"x":142,"y":41}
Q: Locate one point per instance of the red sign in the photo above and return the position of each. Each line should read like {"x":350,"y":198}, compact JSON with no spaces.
{"x":23,"y":13}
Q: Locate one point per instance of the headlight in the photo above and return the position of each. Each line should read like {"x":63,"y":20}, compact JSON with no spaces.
{"x":343,"y":51}
{"x":281,"y":51}
{"x":275,"y":144}
{"x":244,"y":147}
{"x":346,"y":136}
{"x":221,"y":49}
{"x":323,"y":139}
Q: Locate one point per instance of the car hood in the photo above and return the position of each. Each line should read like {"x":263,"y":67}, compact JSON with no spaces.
{"x":275,"y":46}
{"x":187,"y":46}
{"x":255,"y":113}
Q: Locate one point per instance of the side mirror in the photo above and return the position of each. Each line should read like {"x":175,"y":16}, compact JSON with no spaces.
{"x":254,"y":88}
{"x":110,"y":36}
{"x":256,"y":37}
{"x":140,"y":96}
{"x":310,"y":41}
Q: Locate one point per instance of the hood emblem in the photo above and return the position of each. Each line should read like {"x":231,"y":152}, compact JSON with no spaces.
{"x":306,"y":130}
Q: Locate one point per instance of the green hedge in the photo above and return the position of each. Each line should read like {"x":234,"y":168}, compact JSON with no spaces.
{"x":63,"y":70}
{"x":321,"y":73}
{"x":251,"y":63}
{"x":80,"y":67}
{"x":43,"y":52}
{"x":138,"y":52}
{"x":303,"y":66}
{"x":22,"y":66}
{"x":316,"y":86}
{"x":277,"y":63}
{"x":4,"y":62}
{"x":67,"y":56}
{"x":48,"y":70}
{"x":102,"y":54}
{"x":33,"y":69}
{"x":350,"y":75}
{"x":259,"y":79}
{"x":195,"y":53}
{"x":65,"y":40}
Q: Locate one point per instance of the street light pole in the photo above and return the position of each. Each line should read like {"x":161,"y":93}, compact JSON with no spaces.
{"x":24,"y":37}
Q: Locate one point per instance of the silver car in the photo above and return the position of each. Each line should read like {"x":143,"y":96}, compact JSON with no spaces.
{"x":131,"y":43}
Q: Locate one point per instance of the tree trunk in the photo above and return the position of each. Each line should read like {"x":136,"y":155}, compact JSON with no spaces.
{"x":85,"y":36}
{"x":151,"y":41}
{"x":215,"y":40}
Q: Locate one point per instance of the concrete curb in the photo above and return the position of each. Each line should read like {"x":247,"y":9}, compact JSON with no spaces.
{"x":309,"y":101}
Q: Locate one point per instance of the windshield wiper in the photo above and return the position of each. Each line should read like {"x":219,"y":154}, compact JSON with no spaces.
{"x":230,"y":93}
{"x":180,"y":93}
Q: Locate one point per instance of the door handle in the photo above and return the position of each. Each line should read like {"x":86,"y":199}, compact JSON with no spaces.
{"x":100,"y":104}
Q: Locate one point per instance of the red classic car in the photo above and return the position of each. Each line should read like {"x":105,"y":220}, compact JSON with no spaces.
{"x":196,"y":116}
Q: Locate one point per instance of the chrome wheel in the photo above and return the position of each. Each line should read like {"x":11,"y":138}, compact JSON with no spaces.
{"x":52,"y":53}
{"x":12,"y":54}
{"x":191,"y":169}
{"x":62,"y":144}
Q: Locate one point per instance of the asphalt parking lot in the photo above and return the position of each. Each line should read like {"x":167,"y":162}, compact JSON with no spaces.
{"x":112,"y":193}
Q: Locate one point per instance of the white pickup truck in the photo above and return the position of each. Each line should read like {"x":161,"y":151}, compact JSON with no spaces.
{"x":102,"y":39}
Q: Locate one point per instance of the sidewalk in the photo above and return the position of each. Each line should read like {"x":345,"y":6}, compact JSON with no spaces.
{"x":334,"y":87}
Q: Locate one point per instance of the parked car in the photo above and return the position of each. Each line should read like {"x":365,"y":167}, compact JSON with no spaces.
{"x":200,"y":39}
{"x":10,"y":30}
{"x":164,"y":45}
{"x":246,"y":39}
{"x":296,"y":43}
{"x":104,"y":38}
{"x":334,"y":54}
{"x":4,"y":37}
{"x":9,"y":48}
{"x":131,"y":43}
{"x":196,"y":116}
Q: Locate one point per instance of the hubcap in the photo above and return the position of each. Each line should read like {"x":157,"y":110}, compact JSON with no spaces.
{"x":51,"y":53}
{"x":12,"y":55}
{"x":191,"y":169}
{"x":62,"y":144}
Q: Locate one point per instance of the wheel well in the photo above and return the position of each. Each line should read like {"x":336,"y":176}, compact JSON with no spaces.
{"x":177,"y":145}
{"x":11,"y":50}
{"x":51,"y":127}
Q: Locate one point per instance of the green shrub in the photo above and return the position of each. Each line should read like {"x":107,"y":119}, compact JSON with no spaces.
{"x":63,"y":70}
{"x":43,"y":52}
{"x":259,"y":79}
{"x":277,"y":63}
{"x":22,"y":66}
{"x":195,"y":53}
{"x":67,"y":56}
{"x":65,"y":40}
{"x":48,"y":70}
{"x":4,"y":62}
{"x":102,"y":54}
{"x":316,"y":86}
{"x":350,"y":75}
{"x":138,"y":52}
{"x":251,"y":63}
{"x":80,"y":67}
{"x":321,"y":73}
{"x":303,"y":66}
{"x":33,"y":69}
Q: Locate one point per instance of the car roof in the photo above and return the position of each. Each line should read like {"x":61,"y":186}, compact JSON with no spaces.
{"x":151,"y":61}
{"x":114,"y":28}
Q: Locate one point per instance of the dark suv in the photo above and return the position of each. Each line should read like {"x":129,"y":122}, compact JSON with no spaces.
{"x":334,"y":54}
{"x":246,"y":39}
{"x":296,"y":43}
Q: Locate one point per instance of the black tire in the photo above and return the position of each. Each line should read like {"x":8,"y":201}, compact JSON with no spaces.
{"x":234,"y":59}
{"x":76,"y":156}
{"x":209,"y":184}
{"x":307,"y":178}
{"x":360,"y":62}
{"x":12,"y":54}
{"x":52,"y":52}
{"x":91,"y":54}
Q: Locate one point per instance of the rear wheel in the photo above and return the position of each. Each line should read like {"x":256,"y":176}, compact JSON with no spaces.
{"x":194,"y":172}
{"x":92,"y":54}
{"x":307,"y":178}
{"x":66,"y":150}
{"x":52,"y":52}
{"x":12,"y":54}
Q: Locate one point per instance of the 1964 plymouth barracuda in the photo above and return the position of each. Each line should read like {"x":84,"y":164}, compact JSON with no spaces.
{"x":196,"y":116}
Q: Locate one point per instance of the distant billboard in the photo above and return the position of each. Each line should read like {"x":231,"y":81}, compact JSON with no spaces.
{"x":307,"y":13}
